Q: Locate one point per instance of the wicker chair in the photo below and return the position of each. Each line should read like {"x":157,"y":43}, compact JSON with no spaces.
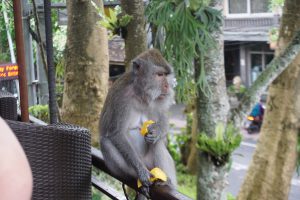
{"x":8,"y":106}
{"x":60,"y":159}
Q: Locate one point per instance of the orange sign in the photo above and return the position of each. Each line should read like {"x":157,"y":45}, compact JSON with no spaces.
{"x":9,"y":71}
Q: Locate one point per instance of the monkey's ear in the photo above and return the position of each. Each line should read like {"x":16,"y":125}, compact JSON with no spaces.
{"x":137,"y":65}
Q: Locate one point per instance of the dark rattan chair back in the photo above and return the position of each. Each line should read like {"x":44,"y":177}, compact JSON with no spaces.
{"x":8,"y":106}
{"x":60,"y":159}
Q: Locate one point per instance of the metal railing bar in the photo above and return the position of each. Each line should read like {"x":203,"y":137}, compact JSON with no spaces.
{"x":107,"y":190}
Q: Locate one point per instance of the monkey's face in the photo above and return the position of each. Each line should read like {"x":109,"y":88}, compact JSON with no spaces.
{"x":153,"y":77}
{"x":160,"y":86}
{"x":161,"y":77}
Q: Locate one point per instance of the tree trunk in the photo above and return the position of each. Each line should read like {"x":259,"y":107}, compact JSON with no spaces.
{"x":211,"y":109}
{"x":135,"y":38}
{"x":192,"y":159}
{"x":273,"y":164}
{"x":86,"y":74}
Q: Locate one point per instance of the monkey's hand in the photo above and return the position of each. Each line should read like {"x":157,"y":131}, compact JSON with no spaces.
{"x":153,"y":133}
{"x":144,"y":178}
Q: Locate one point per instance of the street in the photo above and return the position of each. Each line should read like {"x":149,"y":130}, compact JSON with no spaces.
{"x":241,"y":160}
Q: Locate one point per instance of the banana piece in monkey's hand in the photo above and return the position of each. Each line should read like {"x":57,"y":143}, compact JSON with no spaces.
{"x":158,"y":175}
{"x":144,"y":129}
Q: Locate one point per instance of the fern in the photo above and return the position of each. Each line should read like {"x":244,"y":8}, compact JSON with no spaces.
{"x":115,"y":21}
{"x":220,"y":147}
{"x":184,"y":33}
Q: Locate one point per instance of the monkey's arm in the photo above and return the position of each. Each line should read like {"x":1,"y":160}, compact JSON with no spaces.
{"x":130,"y":155}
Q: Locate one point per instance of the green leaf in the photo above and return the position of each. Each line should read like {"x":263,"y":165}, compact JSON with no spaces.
{"x":220,"y":146}
{"x":112,"y":16}
{"x":219,"y":131}
{"x":124,"y":21}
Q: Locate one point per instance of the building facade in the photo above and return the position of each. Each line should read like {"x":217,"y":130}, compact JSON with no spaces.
{"x":247,"y":25}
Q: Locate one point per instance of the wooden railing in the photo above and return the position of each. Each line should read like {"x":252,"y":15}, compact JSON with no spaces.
{"x":163,"y":192}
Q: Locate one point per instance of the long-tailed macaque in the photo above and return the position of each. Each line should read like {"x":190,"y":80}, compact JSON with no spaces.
{"x":144,"y":93}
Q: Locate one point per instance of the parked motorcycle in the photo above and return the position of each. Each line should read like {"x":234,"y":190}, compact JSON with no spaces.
{"x":255,"y":119}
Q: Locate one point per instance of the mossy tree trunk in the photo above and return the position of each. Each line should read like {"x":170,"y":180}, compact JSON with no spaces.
{"x":273,"y":164}
{"x":86,"y":73}
{"x":192,"y":158}
{"x":212,"y":108}
{"x":135,"y":37}
{"x":273,"y":70}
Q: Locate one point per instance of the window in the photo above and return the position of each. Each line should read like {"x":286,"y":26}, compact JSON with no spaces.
{"x":259,"y":6}
{"x":248,"y":6}
{"x":259,"y":61}
{"x":237,"y":6}
{"x":256,"y":66}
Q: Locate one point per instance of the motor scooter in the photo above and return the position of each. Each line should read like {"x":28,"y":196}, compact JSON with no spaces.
{"x":253,"y":124}
{"x":255,"y":119}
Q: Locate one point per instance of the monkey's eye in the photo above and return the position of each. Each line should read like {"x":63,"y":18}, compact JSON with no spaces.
{"x":161,"y":74}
